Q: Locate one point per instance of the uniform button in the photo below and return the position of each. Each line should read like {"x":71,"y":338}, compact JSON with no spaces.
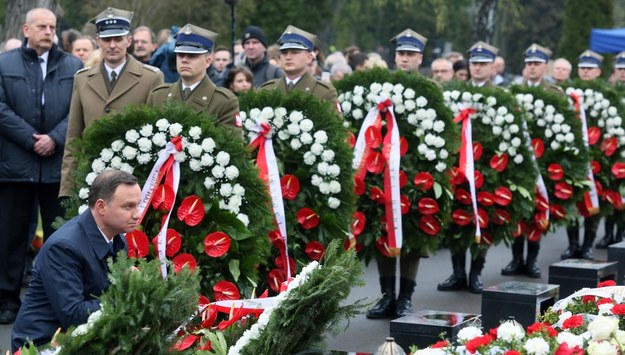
{"x":204,"y":98}
{"x":107,"y":109}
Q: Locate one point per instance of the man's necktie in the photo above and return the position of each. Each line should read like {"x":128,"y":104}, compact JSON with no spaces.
{"x":290,"y":86}
{"x":113,"y":78}
{"x":186,"y":93}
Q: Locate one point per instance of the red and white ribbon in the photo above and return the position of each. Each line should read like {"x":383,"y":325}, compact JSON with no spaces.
{"x":268,"y":166}
{"x":540,"y":183}
{"x":166,"y":166}
{"x":391,"y":153}
{"x":591,"y":197}
{"x":467,"y":164}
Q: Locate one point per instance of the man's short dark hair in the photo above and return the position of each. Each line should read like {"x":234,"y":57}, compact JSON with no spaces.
{"x":105,"y":184}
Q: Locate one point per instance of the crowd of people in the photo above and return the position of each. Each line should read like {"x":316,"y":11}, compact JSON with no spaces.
{"x":50,"y":93}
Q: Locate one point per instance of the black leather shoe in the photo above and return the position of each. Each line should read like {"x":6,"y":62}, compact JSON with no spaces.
{"x":404,"y":307}
{"x":453,"y":283}
{"x":531,"y":270}
{"x":573,"y":251}
{"x":587,"y":254}
{"x":384,"y":308}
{"x":7,"y":317}
{"x":475,"y":283}
{"x":515,"y":267}
{"x":605,"y":242}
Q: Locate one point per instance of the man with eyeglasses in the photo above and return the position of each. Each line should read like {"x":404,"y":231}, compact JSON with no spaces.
{"x":442,"y":70}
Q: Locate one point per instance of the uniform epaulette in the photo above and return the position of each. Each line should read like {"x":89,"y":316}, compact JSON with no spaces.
{"x":161,"y":87}
{"x":152,"y":68}
{"x":82,"y":70}
{"x":325,"y":84}
{"x":226,"y":92}
{"x":269,"y":82}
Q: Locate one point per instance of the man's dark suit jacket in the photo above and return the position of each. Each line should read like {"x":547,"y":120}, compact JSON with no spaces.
{"x":70,"y":274}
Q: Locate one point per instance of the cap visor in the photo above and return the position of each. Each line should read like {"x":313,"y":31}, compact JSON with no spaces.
{"x":292,"y":45}
{"x":619,"y":66}
{"x":481,"y":60}
{"x":190,"y":50}
{"x":588,"y":65}
{"x":535,"y":60}
{"x":113,"y":33}
{"x":407,"y":48}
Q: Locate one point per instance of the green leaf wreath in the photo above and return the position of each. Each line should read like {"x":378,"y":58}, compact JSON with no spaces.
{"x":215,"y":172}
{"x":314,"y":162}
{"x":504,"y":169}
{"x":606,"y":135}
{"x":430,"y":142}
{"x":562,"y":157}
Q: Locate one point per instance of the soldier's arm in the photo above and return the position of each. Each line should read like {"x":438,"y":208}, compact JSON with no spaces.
{"x":75,"y":128}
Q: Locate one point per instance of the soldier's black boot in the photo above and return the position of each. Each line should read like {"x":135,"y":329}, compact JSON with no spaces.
{"x":475,"y":275}
{"x":404,"y":300}
{"x":590,"y":232}
{"x":620,"y":234}
{"x":531,"y":269}
{"x":608,"y":238}
{"x":573,"y":250}
{"x":516,"y":266}
{"x":457,"y":280}
{"x":385,"y":307}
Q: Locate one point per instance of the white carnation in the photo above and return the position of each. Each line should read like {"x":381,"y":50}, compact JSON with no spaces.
{"x":209,"y":183}
{"x":117,"y":145}
{"x":409,"y":94}
{"x":491,"y":101}
{"x":293,"y":129}
{"x":309,"y":158}
{"x":468,"y":333}
{"x":410,"y":105}
{"x":195,"y":132}
{"x":175,"y":129}
{"x":238,"y":190}
{"x":225,"y":190}
{"x":306,"y":125}
{"x":516,"y":142}
{"x":83,"y":193}
{"x":518,"y":159}
{"x":232,"y":172}
{"x":162,"y":124}
{"x":357,"y":114}
{"x":440,"y":167}
{"x":536,"y":346}
{"x":159,"y":139}
{"x":116,"y":163}
{"x":316,"y":180}
{"x":335,"y":187}
{"x":601,"y":348}
{"x":510,"y":331}
{"x":296,"y":116}
{"x":571,"y":339}
{"x":327,"y":155}
{"x":316,"y":148}
{"x":243,"y":218}
{"x":145,"y":144}
{"x":98,"y":166}
{"x":266,"y":114}
{"x":195,"y":150}
{"x":295,"y":144}
{"x":208,"y":144}
{"x":333,"y":202}
{"x":218,"y":171}
{"x":195,"y":165}
{"x":359,"y":90}
{"x":602,"y":328}
{"x":346,"y":106}
{"x":223,"y":158}
{"x":306,"y":138}
{"x":207,"y":160}
{"x":180,"y":157}
{"x":132,"y":136}
{"x":127,"y":168}
{"x":439,"y":126}
{"x":497,"y":130}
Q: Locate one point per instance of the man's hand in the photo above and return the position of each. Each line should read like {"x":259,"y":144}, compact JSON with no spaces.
{"x":44,"y":145}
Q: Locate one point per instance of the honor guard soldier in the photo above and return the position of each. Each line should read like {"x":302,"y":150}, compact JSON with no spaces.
{"x":536,"y":58}
{"x":619,"y":69}
{"x":481,"y":58}
{"x":193,"y":50}
{"x":296,"y":54}
{"x":409,"y":46}
{"x":589,"y":65}
{"x":118,"y":81}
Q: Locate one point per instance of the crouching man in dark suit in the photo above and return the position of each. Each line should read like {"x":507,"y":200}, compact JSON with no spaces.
{"x":71,"y":269}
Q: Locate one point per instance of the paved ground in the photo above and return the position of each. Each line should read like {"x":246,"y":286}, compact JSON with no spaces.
{"x":365,"y":335}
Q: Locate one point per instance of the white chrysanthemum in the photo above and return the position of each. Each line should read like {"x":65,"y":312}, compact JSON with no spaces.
{"x":209,"y":183}
{"x":127,"y":168}
{"x":357,"y":114}
{"x":468,"y":333}
{"x":293,"y":129}
{"x":316,"y":180}
{"x":328,"y":155}
{"x":195,"y":150}
{"x":602,"y":328}
{"x":440,"y":167}
{"x":132,"y":136}
{"x":316,"y":148}
{"x":208,"y":144}
{"x":225,"y":190}
{"x":129,"y":152}
{"x":335,"y":187}
{"x":83,"y":193}
{"x":244,"y":219}
{"x":518,"y":159}
{"x":306,"y":125}
{"x":232,"y":172}
{"x":195,"y":165}
{"x":195,"y":132}
{"x":162,"y":124}
{"x":145,"y":144}
{"x":296,"y":144}
{"x":510,"y":331}
{"x":333,"y":202}
{"x":180,"y":157}
{"x":218,"y":171}
{"x":98,"y":166}
{"x":497,"y":130}
{"x":222,"y":158}
{"x":175,"y":129}
{"x":144,"y":158}
{"x":309,"y":158}
{"x":536,"y":346}
{"x":306,"y":138}
{"x":296,"y":116}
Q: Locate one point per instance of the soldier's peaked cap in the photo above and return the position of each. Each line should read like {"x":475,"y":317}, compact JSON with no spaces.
{"x":194,"y":39}
{"x":482,"y":52}
{"x":409,"y":41}
{"x":295,"y":38}
{"x":112,"y":22}
{"x":537,"y":53}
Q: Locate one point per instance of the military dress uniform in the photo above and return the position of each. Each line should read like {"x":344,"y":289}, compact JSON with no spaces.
{"x":295,"y":38}
{"x":94,"y":96}
{"x":482,"y":52}
{"x":539,"y":54}
{"x":218,"y":102}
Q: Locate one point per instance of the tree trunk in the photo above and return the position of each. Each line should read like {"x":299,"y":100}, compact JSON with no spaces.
{"x":485,"y":20}
{"x":16,"y":14}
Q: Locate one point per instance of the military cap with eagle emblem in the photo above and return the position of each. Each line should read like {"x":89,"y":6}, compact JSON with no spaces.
{"x":409,"y":41}
{"x":112,"y":22}
{"x":194,"y":39}
{"x":482,"y":52}
{"x":537,"y":53}
{"x":295,"y":38}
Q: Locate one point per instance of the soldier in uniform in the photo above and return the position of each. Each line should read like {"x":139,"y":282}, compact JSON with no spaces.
{"x":193,"y":49}
{"x":296,"y":54}
{"x":481,"y":58}
{"x":118,"y":81}
{"x":588,"y":68}
{"x":536,"y":58}
{"x":409,"y":46}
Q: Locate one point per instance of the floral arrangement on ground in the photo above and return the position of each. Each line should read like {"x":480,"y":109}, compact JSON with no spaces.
{"x":591,"y":321}
{"x":218,"y":196}
{"x":561,"y":154}
{"x":428,"y":142}
{"x":313,"y":160}
{"x":606,"y":137}
{"x":505,"y":173}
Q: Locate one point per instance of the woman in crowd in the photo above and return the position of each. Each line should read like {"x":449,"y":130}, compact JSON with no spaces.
{"x":239,"y":80}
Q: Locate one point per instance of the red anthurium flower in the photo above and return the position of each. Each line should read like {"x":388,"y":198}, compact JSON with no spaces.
{"x":594,"y":133}
{"x":556,"y":173}
{"x":485,"y":198}
{"x":463,"y":196}
{"x":541,"y":221}
{"x":486,"y":238}
{"x":373,"y":137}
{"x":290,"y":186}
{"x":358,"y":223}
{"x":191,"y":211}
{"x":479,"y":179}
{"x":137,"y":243}
{"x":173,"y":242}
{"x":403,"y":146}
{"x":482,"y":217}
{"x":539,"y":147}
{"x":275,"y":278}
{"x":501,"y":217}
{"x":541,"y":203}
{"x":613,"y":197}
{"x":375,"y":163}
{"x":307,"y":218}
{"x":428,"y":206}
{"x":235,"y":315}
{"x":186,"y":342}
{"x":430,"y":225}
{"x":347,"y":245}
{"x":503,"y":196}
{"x":376,"y":194}
{"x":163,"y":198}
{"x":574,"y":321}
{"x":209,"y":316}
{"x":279,"y":261}
{"x":208,"y":346}
{"x":456,"y":177}
{"x":558,"y":211}
{"x":382,"y":245}
{"x":533,"y":233}
{"x":183,"y":260}
{"x":499,"y":162}
{"x":608,"y":146}
{"x":276,"y":239}
{"x":359,"y":186}
{"x":618,"y":170}
{"x":477,"y":151}
{"x":563,"y":191}
{"x":565,"y":349}
{"x":519,"y":230}
{"x":404,"y":203}
{"x":595,"y":166}
{"x":403,"y":179}
{"x":461,"y":217}
{"x":351,"y":138}
{"x":225,"y":290}
{"x":424,"y":181}
{"x":315,"y":250}
{"x":216,"y":244}
{"x":607,"y":283}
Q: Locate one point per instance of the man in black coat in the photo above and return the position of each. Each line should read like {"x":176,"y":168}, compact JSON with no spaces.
{"x":35,"y":92}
